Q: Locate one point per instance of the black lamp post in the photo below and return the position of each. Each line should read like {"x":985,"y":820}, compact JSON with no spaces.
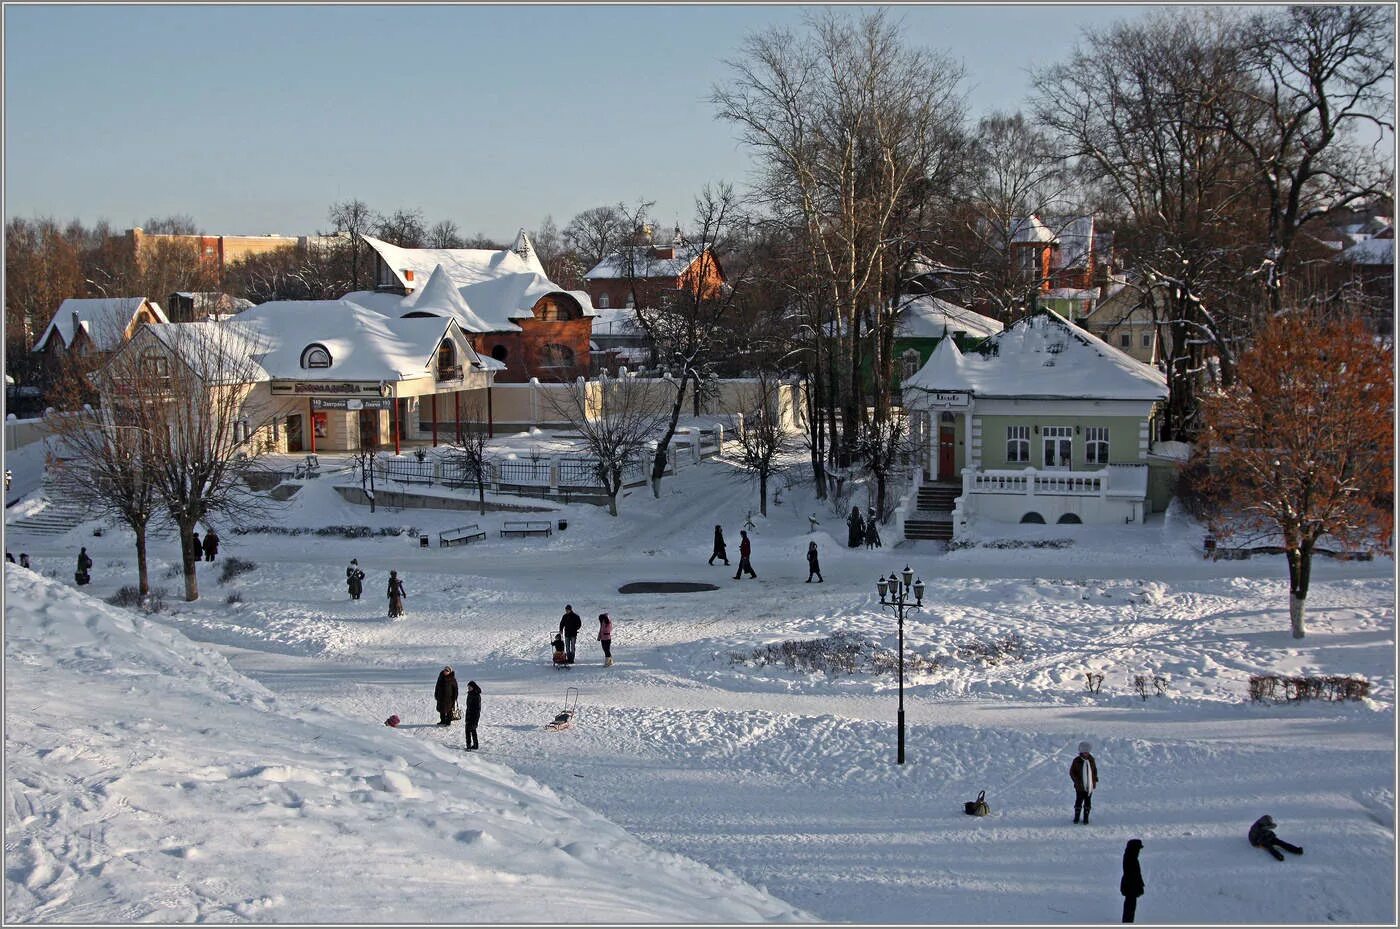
{"x":894,"y":593}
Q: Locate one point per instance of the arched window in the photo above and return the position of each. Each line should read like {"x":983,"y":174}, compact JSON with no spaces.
{"x":315,"y":356}
{"x":1033,"y":517}
{"x":447,"y":361}
{"x":555,"y":355}
{"x":603,"y":302}
{"x":910,"y":360}
{"x":1070,"y":519}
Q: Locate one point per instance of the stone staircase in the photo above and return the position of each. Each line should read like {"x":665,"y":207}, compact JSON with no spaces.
{"x":55,"y":518}
{"x":934,"y":517}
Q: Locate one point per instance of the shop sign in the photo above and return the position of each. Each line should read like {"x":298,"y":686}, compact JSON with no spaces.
{"x":948,"y":398}
{"x":352,"y":403}
{"x":325,"y":388}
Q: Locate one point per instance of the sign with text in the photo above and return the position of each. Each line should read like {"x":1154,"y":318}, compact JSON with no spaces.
{"x":942,"y":398}
{"x":325,"y":388}
{"x":352,"y":403}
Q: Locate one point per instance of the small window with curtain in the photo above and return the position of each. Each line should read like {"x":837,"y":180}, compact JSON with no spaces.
{"x":1018,"y":443}
{"x":1096,"y":444}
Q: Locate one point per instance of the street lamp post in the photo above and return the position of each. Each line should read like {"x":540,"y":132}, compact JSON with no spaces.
{"x":894,"y":593}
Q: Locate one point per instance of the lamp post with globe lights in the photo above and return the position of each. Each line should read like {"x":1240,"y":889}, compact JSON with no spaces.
{"x":894,"y":593}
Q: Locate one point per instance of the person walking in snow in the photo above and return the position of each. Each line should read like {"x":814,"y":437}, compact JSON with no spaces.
{"x":720,"y":552}
{"x":1130,"y":885}
{"x":1261,"y":835}
{"x":813,"y":566}
{"x":355,"y":579}
{"x":856,"y":527}
{"x":1084,"y":774}
{"x":9,"y":557}
{"x":605,"y":627}
{"x":473,"y":714}
{"x":744,"y":550}
{"x":211,"y":545}
{"x":396,"y":595}
{"x":84,"y":565}
{"x":569,"y":625}
{"x":872,"y":531}
{"x":445,"y":694}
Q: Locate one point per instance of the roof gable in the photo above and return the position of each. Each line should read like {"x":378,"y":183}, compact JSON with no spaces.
{"x":104,"y":320}
{"x":642,"y":262}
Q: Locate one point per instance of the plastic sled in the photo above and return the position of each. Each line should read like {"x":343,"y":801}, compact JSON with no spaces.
{"x":565,"y":718}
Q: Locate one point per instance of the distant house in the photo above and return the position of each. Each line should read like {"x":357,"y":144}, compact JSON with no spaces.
{"x":1370,"y":263}
{"x":501,"y":298}
{"x":925,"y":321}
{"x":619,"y":340}
{"x":648,"y":275}
{"x":190,"y":306}
{"x":1042,"y":423}
{"x":83,"y":327}
{"x":1123,"y":317}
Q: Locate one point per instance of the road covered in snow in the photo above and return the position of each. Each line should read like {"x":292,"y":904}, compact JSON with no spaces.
{"x":698,"y":784}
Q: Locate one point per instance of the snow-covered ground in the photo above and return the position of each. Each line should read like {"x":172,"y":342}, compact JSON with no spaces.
{"x":148,"y":778}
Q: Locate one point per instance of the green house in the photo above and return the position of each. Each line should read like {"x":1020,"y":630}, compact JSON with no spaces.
{"x":925,"y":321}
{"x":1041,"y":423}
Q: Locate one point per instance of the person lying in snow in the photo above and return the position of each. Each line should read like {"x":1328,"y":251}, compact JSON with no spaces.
{"x":1261,"y":835}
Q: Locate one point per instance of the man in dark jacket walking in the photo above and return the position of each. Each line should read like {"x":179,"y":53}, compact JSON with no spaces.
{"x":211,"y":545}
{"x":445,"y":693}
{"x":355,"y":579}
{"x":720,"y":551}
{"x":84,"y":565}
{"x":196,"y":546}
{"x":813,"y":564}
{"x":856,"y":528}
{"x":1131,"y":886}
{"x":473,"y":714}
{"x":1261,"y":835}
{"x":1084,"y":774}
{"x":569,"y":625}
{"x":744,"y":549}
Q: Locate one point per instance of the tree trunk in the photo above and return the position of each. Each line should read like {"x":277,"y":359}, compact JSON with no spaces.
{"x":1299,"y":575}
{"x":763,"y":492}
{"x":818,"y":428}
{"x":879,"y":493}
{"x":187,"y":558}
{"x":658,"y":464}
{"x":143,"y":577}
{"x":481,"y":495}
{"x":614,"y":487}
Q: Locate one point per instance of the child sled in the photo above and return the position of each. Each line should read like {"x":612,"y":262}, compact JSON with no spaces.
{"x":565,"y":718}
{"x":561,"y":657}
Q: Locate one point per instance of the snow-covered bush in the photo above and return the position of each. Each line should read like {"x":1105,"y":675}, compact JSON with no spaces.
{"x":1009,"y":647}
{"x":1334,"y":687}
{"x":235,"y":566}
{"x":235,"y":597}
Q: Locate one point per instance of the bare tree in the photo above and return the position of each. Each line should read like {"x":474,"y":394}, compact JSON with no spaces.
{"x":444,"y":235}
{"x":468,"y":452}
{"x":193,"y":411}
{"x":596,"y":233}
{"x":174,"y":224}
{"x":108,"y":454}
{"x":403,"y":228}
{"x":616,"y":430}
{"x":1303,"y":445}
{"x":762,"y":441}
{"x":352,"y":218}
{"x":883,"y":446}
{"x":854,"y":131}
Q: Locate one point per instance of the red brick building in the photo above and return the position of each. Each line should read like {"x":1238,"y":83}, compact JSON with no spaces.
{"x":501,"y":298}
{"x":643,"y":275}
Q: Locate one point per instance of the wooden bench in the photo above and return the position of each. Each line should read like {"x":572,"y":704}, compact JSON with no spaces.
{"x":462,"y":534}
{"x":527,"y":527}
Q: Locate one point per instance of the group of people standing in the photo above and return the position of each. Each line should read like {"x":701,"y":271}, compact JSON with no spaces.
{"x":206,"y":548}
{"x":355,"y":583}
{"x":445,"y":696}
{"x":566,"y":640}
{"x":860,"y":530}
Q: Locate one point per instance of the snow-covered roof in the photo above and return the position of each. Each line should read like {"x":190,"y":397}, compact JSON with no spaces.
{"x":1030,"y":229}
{"x":1043,"y":355}
{"x":1076,"y":238}
{"x":523,"y":247}
{"x":441,"y":297}
{"x":930,"y":317}
{"x":103,"y":319}
{"x":1370,"y":252}
{"x":498,"y":285}
{"x":641,"y":261}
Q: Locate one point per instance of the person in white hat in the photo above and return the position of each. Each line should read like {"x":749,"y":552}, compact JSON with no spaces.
{"x":1084,"y":774}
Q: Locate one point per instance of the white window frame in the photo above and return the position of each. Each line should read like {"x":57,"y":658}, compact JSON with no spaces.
{"x":1056,"y":447}
{"x":1096,"y":444}
{"x":603,"y":301}
{"x":1018,"y":444}
{"x":312,"y":351}
{"x":909,"y":360}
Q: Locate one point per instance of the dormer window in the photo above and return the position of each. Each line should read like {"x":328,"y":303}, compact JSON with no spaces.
{"x":315,"y":356}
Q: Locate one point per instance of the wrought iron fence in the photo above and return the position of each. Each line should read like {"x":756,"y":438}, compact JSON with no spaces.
{"x":521,"y":471}
{"x":579,"y":472}
{"x":405,"y":472}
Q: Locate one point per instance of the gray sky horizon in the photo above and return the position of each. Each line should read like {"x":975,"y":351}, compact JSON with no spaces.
{"x":254,"y":119}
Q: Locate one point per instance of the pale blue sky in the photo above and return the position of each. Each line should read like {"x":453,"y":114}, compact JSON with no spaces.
{"x":253,"y":119}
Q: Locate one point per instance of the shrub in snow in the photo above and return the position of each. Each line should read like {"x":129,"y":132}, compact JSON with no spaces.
{"x":1147,"y":684}
{"x":126,"y":596}
{"x":1277,"y":688}
{"x":344,"y":532}
{"x":1009,"y":647}
{"x":838,"y":654}
{"x":1010,"y":543}
{"x":1093,"y":682}
{"x":235,"y":566}
{"x":235,"y":597}
{"x":174,"y":570}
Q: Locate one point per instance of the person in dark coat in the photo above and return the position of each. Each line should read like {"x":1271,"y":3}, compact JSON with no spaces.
{"x":1131,"y":886}
{"x":396,"y":595}
{"x":211,"y":545}
{"x":196,"y":546}
{"x":445,"y":693}
{"x":856,"y":535}
{"x":872,"y":531}
{"x":24,"y":559}
{"x":720,"y":552}
{"x":473,"y":714}
{"x":1261,"y":835}
{"x":84,"y":565}
{"x":10,"y":557}
{"x":355,"y":579}
{"x":605,"y":627}
{"x":1084,"y":774}
{"x":569,"y":625}
{"x":813,"y":565}
{"x":744,"y":549}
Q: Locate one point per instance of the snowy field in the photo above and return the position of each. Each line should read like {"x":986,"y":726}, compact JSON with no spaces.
{"x":227,"y":761}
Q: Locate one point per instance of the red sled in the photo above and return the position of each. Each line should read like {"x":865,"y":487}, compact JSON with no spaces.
{"x":392,"y":722}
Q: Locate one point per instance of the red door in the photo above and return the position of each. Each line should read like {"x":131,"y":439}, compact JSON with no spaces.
{"x":946,"y":454}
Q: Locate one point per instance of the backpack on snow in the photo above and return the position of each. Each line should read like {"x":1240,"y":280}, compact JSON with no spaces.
{"x":977,"y":807}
